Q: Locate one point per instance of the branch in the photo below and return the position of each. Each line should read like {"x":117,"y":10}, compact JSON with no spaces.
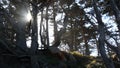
{"x":115,"y":49}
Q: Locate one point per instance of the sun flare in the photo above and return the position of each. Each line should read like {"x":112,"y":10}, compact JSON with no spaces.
{"x":29,"y":16}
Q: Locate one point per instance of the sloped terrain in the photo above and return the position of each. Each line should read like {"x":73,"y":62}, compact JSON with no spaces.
{"x":43,"y":59}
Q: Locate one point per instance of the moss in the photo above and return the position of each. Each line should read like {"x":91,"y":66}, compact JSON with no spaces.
{"x":86,"y":61}
{"x":95,"y":64}
{"x":76,"y":53}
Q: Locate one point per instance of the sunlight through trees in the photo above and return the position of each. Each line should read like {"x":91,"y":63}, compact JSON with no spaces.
{"x":59,"y":33}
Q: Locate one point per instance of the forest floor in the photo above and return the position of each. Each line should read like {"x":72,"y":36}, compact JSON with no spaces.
{"x":45,"y":59}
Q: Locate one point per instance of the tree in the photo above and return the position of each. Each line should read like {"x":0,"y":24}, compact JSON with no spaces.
{"x":108,"y":62}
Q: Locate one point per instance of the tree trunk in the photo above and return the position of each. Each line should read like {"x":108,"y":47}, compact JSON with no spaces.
{"x":101,"y":44}
{"x":34,"y":36}
{"x":21,"y":39}
{"x":55,"y":24}
{"x":34,"y":43}
{"x":87,"y":51}
{"x":47,"y":26}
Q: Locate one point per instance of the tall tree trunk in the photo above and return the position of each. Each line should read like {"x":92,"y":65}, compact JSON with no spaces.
{"x":98,"y":51}
{"x":55,"y":24}
{"x":59,"y":33}
{"x":87,"y":51}
{"x":47,"y":26}
{"x":72,"y":37}
{"x":34,"y":43}
{"x":20,"y":38}
{"x":34,"y":36}
{"x":40,"y":32}
{"x":101,"y":45}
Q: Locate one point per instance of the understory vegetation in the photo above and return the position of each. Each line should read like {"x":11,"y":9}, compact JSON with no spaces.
{"x":71,"y":60}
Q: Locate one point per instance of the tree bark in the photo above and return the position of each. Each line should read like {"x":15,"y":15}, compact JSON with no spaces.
{"x":47,"y":26}
{"x":34,"y":43}
{"x":101,"y":43}
{"x":55,"y":24}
